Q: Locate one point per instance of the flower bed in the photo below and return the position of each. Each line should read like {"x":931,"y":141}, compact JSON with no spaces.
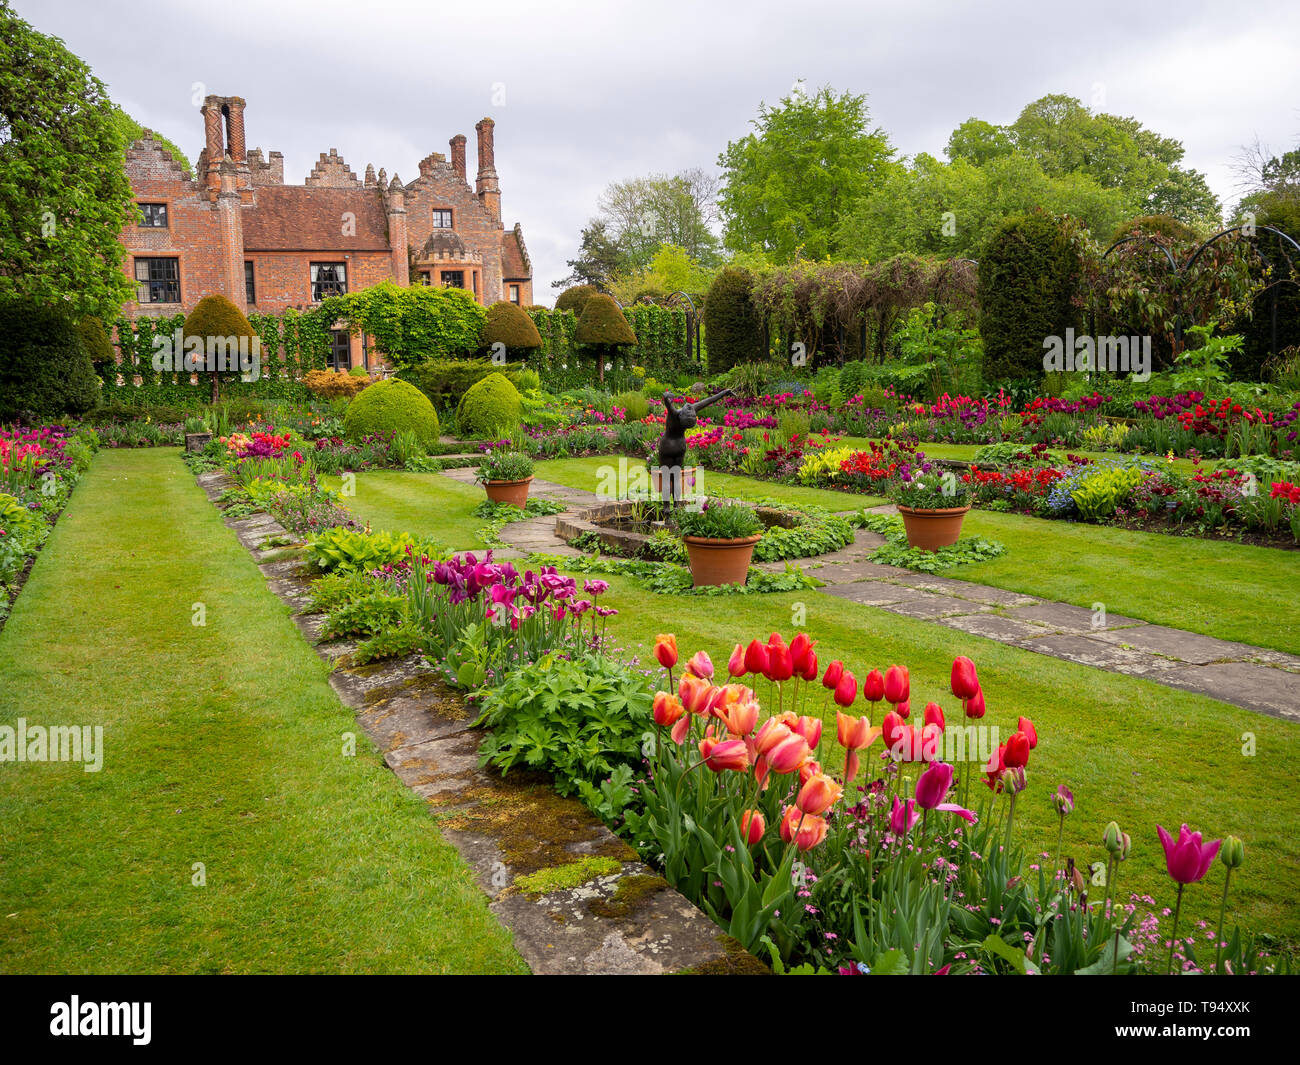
{"x":39,"y":467}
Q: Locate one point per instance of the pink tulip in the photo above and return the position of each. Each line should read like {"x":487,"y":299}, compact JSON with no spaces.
{"x":1187,"y":859}
{"x":700,"y":665}
{"x":902,"y":818}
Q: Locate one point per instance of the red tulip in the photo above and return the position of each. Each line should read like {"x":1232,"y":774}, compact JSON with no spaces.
{"x":780,"y":666}
{"x":897,"y":684}
{"x":934,"y":715}
{"x":756,"y":658}
{"x":752,"y":826}
{"x":809,"y":671}
{"x":1027,"y":727}
{"x":831,"y":678}
{"x":666,"y":650}
{"x":873,"y":686}
{"x":904,"y":709}
{"x":965,"y":682}
{"x":890,"y":729}
{"x":1187,"y":859}
{"x":736,"y":663}
{"x":1016,"y":755}
{"x":975,"y":704}
{"x":801,"y":651}
{"x":846,"y":690}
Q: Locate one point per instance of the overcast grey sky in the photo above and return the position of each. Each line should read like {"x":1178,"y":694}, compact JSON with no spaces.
{"x":587,"y":93}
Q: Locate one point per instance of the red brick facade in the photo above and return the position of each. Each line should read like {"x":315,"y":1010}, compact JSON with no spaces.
{"x":238,"y":211}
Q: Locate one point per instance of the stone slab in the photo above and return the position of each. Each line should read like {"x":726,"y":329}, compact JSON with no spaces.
{"x":995,"y":627}
{"x":1265,"y":689}
{"x":1064,"y":617}
{"x":1108,"y":656}
{"x":359,"y":687}
{"x":936,"y":607}
{"x":873,"y":593}
{"x":438,"y":766}
{"x":1189,"y":647}
{"x":403,"y":720}
{"x":980,"y":593}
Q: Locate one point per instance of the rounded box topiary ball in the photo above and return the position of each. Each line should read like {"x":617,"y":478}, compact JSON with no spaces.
{"x":490,"y":409}
{"x":392,"y":406}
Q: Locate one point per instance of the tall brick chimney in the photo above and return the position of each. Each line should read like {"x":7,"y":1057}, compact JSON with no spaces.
{"x":397,"y":238}
{"x":230,"y":221}
{"x":487,"y":188}
{"x":212,"y":151}
{"x":458,"y":155}
{"x":235,"y":128}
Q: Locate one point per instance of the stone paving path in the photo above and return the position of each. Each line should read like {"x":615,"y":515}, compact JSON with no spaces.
{"x":1255,"y":678}
{"x":623,"y":920}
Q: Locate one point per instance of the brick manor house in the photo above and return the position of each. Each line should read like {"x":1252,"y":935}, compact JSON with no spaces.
{"x":239,"y":230}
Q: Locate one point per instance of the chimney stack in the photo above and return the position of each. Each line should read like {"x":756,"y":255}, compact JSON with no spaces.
{"x":458,"y":155}
{"x":235,"y":128}
{"x":489,"y":192}
{"x":397,"y":233}
{"x":212,"y":153}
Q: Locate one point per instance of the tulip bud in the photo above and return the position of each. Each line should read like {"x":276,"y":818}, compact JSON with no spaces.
{"x":934,"y":715}
{"x":801,"y":650}
{"x":897,"y":684}
{"x":1112,"y":838}
{"x":755,"y":658}
{"x":1125,"y":845}
{"x":873,"y":686}
{"x":736,"y":663}
{"x":1063,"y":800}
{"x":975,"y":704}
{"x":1017,"y":754}
{"x":701,"y":665}
{"x":846,"y":690}
{"x":904,"y":709}
{"x":1233,"y":852}
{"x":834,"y":671}
{"x":1027,"y":727}
{"x":666,"y":650}
{"x":964,"y":681}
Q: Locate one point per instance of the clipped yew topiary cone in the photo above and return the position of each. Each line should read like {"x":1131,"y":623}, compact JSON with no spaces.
{"x":602,"y":330}
{"x":507,"y":324}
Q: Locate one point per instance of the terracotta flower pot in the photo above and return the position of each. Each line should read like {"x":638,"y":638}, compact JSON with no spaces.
{"x":720,"y":561}
{"x":659,"y":482}
{"x":513,"y":492}
{"x":932,"y":529}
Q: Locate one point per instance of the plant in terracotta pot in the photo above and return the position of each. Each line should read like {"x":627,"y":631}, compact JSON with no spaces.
{"x":506,"y":476}
{"x":933,"y":505}
{"x":720,"y":539}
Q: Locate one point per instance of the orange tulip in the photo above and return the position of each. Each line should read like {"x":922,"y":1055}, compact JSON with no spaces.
{"x":740,"y":718}
{"x":804,"y":830}
{"x":729,"y":754}
{"x":772,"y":733}
{"x":789,"y":754}
{"x":752,"y":826}
{"x":810,"y":728}
{"x":667,"y":709}
{"x":818,"y":794}
{"x":809,"y":770}
{"x":666,"y":650}
{"x":694,"y":693}
{"x":851,"y":731}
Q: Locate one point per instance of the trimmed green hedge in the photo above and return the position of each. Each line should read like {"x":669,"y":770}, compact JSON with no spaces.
{"x":392,"y":406}
{"x":45,"y":370}
{"x":489,"y":410}
{"x":1029,"y":275}
{"x":446,"y":381}
{"x":732,"y":324}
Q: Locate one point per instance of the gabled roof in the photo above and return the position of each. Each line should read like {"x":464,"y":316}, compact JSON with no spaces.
{"x":297,"y":218}
{"x":515,"y":265}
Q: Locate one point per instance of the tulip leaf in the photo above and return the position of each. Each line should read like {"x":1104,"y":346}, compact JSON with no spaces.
{"x":1014,"y":956}
{"x":890,"y":963}
{"x":1105,"y":965}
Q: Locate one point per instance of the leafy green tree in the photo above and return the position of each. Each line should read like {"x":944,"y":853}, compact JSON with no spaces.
{"x":599,"y":256}
{"x":671,"y":270}
{"x":64,"y":196}
{"x":787,"y":185}
{"x":132,"y":131}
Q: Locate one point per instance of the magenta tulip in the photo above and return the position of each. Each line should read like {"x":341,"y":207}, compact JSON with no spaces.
{"x":1187,"y":859}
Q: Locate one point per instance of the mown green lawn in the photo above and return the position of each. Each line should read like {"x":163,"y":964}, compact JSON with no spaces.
{"x":222,"y":746}
{"x":590,"y":473}
{"x":423,"y":504}
{"x":1130,"y":750}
